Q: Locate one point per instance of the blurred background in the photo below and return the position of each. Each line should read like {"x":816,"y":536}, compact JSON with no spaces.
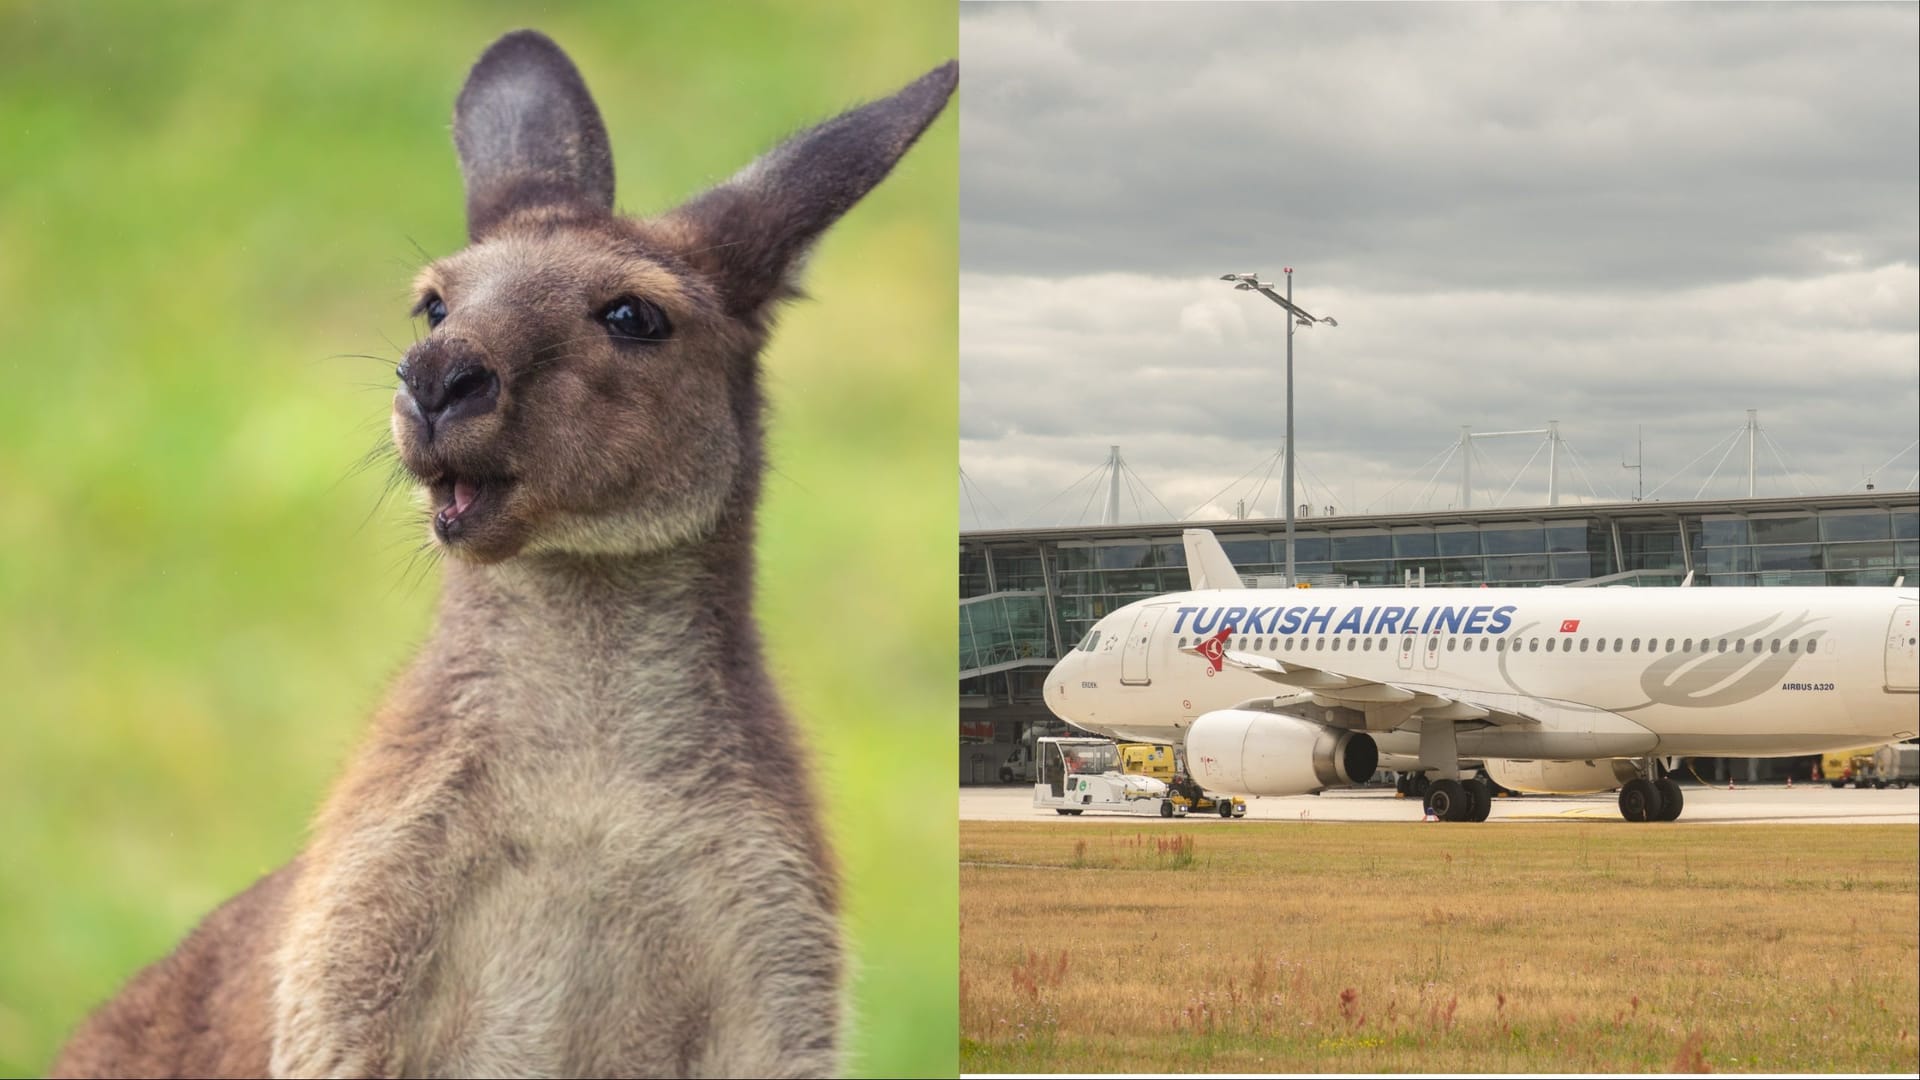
{"x":204,"y":210}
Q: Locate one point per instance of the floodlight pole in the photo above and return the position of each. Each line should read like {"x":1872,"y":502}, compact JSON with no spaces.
{"x":1286,"y":482}
{"x":1294,"y":315}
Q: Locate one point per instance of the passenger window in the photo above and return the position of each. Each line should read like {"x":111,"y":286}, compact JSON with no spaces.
{"x":1549,"y":644}
{"x":1483,"y":644}
{"x":1500,"y":645}
{"x":1533,"y":644}
{"x":1811,"y":644}
{"x":1740,"y":646}
{"x":1634,"y":645}
{"x":1723,"y":645}
{"x":1583,"y":644}
{"x":1241,"y":644}
{"x":1669,"y":644}
{"x":1452,"y":644}
{"x":1793,"y":645}
{"x":1289,"y":644}
{"x":1183,"y":643}
{"x":1433,"y":644}
{"x":1406,"y":645}
{"x":1367,"y":645}
{"x":1686,"y":645}
{"x":1776,"y":645}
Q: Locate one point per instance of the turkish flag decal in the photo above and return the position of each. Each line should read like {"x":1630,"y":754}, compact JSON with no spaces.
{"x":1568,"y":626}
{"x":1214,"y":649}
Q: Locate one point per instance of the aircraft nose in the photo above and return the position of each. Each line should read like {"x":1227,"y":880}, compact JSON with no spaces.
{"x":1055,"y":685}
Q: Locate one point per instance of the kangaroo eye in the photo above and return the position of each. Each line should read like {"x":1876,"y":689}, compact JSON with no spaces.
{"x":434,"y":308}
{"x":633,"y":319}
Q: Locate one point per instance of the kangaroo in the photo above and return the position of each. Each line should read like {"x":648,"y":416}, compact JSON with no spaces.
{"x":578,"y":840}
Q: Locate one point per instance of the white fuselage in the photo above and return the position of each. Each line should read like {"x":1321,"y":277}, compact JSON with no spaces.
{"x":1605,"y":672}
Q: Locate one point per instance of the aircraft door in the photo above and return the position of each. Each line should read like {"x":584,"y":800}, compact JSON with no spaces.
{"x":1133,"y":658}
{"x":1406,"y":651}
{"x":1903,"y":649}
{"x":1431,"y":651}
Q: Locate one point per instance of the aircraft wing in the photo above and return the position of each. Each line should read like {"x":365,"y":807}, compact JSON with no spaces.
{"x":1330,"y":687}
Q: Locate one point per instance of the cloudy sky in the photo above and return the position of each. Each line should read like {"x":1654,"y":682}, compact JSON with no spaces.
{"x":1612,"y":216}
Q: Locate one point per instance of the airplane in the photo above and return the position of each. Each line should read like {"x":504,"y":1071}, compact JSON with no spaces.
{"x":1558,"y":690}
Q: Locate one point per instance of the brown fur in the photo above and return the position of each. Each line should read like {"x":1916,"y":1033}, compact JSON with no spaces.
{"x":579,"y":839}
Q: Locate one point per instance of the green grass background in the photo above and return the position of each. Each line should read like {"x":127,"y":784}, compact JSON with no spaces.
{"x":200,"y":206}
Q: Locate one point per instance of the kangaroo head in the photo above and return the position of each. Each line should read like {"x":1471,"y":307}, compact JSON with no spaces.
{"x":588,"y":383}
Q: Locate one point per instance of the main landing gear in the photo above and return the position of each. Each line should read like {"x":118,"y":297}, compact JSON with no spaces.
{"x":1449,"y":799}
{"x":1642,"y":799}
{"x":1459,"y":800}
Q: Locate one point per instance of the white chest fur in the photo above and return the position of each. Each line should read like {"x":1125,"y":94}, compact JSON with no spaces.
{"x":578,"y":845}
{"x":587,"y":930}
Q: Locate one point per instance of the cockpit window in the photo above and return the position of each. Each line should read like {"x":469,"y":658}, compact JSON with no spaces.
{"x":1092,"y":639}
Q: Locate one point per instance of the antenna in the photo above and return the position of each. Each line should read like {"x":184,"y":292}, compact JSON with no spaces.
{"x":1639,"y":463}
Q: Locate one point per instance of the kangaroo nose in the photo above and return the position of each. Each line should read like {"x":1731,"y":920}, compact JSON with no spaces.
{"x":446,"y":394}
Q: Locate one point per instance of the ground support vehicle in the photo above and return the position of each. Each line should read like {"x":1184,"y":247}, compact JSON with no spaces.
{"x":1162,"y":762}
{"x":1895,"y":764}
{"x":1187,"y":797}
{"x":1078,"y":775}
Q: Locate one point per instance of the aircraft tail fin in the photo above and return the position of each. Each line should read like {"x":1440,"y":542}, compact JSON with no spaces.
{"x":1207,"y":564}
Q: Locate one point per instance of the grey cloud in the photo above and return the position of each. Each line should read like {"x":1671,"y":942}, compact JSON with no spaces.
{"x":1195,"y":400}
{"x":1611,"y":215}
{"x":1613,"y":147}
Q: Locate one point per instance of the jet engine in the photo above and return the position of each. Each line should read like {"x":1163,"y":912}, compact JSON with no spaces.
{"x":1248,"y":752}
{"x":1562,"y":777}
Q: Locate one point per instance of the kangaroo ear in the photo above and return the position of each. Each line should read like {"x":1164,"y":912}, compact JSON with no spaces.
{"x":758,"y":226}
{"x":529,"y":135}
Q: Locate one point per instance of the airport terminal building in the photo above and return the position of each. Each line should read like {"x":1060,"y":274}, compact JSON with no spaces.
{"x":1025,"y":594}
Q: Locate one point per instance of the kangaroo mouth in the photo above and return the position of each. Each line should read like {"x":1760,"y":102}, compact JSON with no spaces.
{"x":462,"y":503}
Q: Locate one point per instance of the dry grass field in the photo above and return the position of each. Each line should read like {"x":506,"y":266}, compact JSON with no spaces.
{"x":1586,"y":947}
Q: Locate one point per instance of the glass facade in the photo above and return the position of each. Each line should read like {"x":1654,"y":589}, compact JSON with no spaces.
{"x":1096,"y":571}
{"x":1832,"y":546}
{"x":1002,"y":629}
{"x":1095,"y":577}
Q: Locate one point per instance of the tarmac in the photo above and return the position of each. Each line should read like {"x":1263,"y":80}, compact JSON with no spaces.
{"x":1771,"y":804}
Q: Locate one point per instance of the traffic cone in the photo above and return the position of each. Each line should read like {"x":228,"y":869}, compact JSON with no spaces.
{"x":1729,"y":783}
